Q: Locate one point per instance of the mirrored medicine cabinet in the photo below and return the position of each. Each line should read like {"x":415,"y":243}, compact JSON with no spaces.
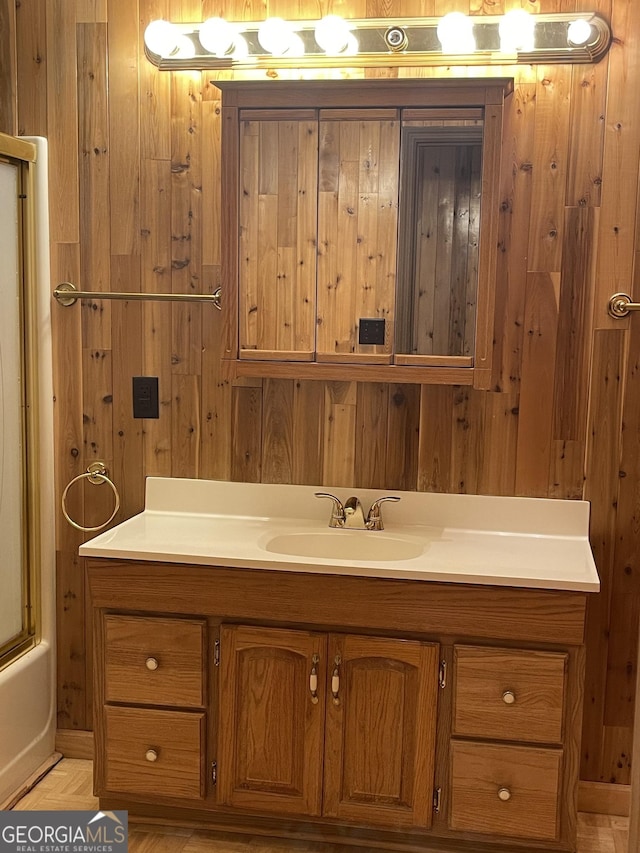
{"x":360,"y":223}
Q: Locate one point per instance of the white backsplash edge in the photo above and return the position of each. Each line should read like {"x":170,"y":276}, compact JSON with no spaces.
{"x":543,"y":516}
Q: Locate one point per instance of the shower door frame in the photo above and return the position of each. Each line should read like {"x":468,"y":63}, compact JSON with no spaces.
{"x":28,"y":674}
{"x":22,"y":155}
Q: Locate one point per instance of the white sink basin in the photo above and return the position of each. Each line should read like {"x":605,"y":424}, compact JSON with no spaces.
{"x":345,"y":545}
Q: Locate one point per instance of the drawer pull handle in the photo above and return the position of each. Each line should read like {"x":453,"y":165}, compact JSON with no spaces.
{"x":335,"y":680}
{"x":313,"y":679}
{"x":151,"y":755}
{"x":152,"y":663}
{"x":504,"y":794}
{"x":508,"y":697}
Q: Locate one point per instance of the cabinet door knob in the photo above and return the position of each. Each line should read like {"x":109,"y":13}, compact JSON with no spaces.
{"x":151,"y":755}
{"x":152,"y":663}
{"x":504,"y":794}
{"x":508,"y":697}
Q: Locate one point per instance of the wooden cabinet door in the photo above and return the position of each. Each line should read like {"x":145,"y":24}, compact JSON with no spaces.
{"x":380,"y":730}
{"x":278,"y":233}
{"x":359,"y":156}
{"x":271,"y":724}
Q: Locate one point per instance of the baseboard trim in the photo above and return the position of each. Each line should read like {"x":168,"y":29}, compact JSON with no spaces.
{"x":75,"y":743}
{"x":604,"y":798}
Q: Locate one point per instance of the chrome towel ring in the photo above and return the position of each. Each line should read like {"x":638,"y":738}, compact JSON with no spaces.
{"x":96,"y":474}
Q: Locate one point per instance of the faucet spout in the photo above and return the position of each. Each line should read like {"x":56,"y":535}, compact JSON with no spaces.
{"x":353,"y":514}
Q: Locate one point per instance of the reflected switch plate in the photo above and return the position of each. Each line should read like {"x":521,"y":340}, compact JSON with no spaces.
{"x":371,"y":331}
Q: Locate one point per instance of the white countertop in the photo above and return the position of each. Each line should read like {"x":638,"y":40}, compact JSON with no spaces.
{"x":520,"y":542}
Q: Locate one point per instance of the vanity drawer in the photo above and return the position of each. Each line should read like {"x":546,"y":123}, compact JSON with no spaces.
{"x":154,"y":661}
{"x":160,"y":753}
{"x":505,"y":790}
{"x":509,"y":694}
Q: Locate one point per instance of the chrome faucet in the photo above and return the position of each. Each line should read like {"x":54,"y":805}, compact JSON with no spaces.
{"x":350,"y":515}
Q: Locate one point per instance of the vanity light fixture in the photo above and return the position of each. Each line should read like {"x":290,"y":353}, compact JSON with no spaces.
{"x":333,"y":42}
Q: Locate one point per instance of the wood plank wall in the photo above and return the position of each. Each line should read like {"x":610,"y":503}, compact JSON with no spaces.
{"x":135,"y":181}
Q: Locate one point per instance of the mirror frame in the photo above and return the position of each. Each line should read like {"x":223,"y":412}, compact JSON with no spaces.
{"x":489,"y":94}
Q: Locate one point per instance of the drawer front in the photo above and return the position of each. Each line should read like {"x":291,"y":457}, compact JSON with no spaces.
{"x":154,"y":661}
{"x":508,"y":694}
{"x":505,"y":790}
{"x":155,"y":753}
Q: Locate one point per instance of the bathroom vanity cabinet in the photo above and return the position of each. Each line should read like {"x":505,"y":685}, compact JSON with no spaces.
{"x":379,"y":711}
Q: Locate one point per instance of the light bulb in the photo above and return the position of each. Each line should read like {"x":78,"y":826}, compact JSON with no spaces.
{"x":185,"y":48}
{"x":352,"y":47}
{"x":240,"y":48}
{"x":455,"y":33}
{"x":332,"y":34}
{"x":296,"y":46}
{"x":516,"y":30}
{"x":161,"y":37}
{"x":217,"y":36}
{"x":579,"y":32}
{"x":274,"y":35}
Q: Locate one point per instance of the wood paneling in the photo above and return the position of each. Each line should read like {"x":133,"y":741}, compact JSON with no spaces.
{"x":32,"y":67}
{"x":135,"y":177}
{"x":8,"y":69}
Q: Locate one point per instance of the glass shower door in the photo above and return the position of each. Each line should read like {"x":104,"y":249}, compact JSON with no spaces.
{"x":27,"y":514}
{"x":15,"y":619}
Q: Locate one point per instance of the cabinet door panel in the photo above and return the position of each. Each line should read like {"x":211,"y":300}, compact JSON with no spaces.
{"x":278,"y":230}
{"x":379,"y":753}
{"x":271,"y":730}
{"x":357,"y":229}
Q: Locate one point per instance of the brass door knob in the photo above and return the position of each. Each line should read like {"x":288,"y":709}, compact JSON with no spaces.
{"x":151,"y":755}
{"x":152,"y":663}
{"x":504,"y":794}
{"x":508,"y":697}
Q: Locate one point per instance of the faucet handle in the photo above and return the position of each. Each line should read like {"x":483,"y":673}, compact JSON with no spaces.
{"x":374,"y":519}
{"x":337,"y":512}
